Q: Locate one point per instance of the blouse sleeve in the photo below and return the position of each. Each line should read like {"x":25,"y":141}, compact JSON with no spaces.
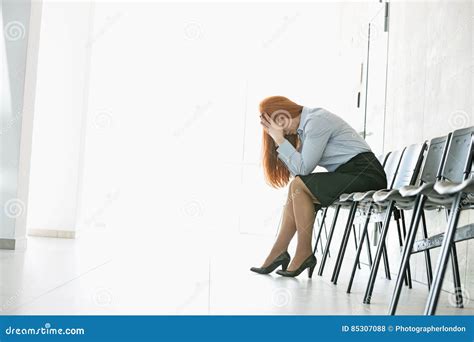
{"x":317,"y":134}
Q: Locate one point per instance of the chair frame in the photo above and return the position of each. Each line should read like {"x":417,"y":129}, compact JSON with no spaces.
{"x":419,"y":203}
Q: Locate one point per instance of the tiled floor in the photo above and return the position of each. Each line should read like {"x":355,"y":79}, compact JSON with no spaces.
{"x":179,"y":273}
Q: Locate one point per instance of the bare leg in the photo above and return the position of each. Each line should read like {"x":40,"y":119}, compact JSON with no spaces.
{"x":297,"y":193}
{"x":304,"y":214}
{"x":286,"y":233}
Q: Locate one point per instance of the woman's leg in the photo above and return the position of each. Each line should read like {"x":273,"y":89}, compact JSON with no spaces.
{"x":298,"y":196}
{"x":304,"y":216}
{"x":286,"y":232}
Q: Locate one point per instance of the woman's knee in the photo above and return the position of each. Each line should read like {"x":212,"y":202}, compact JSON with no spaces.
{"x":297,"y":186}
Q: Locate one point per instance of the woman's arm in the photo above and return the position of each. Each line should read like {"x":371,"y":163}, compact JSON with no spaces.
{"x":317,"y":134}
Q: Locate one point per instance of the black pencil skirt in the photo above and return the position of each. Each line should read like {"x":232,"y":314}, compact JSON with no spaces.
{"x":361,"y":173}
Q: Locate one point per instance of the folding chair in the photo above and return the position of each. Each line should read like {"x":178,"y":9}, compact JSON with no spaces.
{"x":318,"y":239}
{"x":457,"y":187}
{"x":363,"y":201}
{"x":407,"y":174}
{"x":430,"y":172}
{"x":441,"y":163}
{"x":346,"y":201}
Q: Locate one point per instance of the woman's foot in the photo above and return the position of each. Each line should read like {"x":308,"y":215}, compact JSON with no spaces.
{"x":309,"y":263}
{"x":274,"y":253}
{"x":283,"y":259}
{"x":300,"y":256}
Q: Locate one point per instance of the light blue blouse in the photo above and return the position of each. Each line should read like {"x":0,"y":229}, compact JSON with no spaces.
{"x":326,"y":140}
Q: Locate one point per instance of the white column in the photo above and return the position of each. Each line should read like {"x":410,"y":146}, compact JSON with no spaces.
{"x":20,"y":21}
{"x":58,"y":138}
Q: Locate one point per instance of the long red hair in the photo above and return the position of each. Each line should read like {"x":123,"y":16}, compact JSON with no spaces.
{"x":277,"y":107}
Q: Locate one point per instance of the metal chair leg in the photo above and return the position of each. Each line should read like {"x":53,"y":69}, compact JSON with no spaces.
{"x":386,"y":264}
{"x":318,"y":238}
{"x":456,"y":277}
{"x":369,"y":252}
{"x":399,"y":232}
{"x":328,"y":242}
{"x":345,"y":240}
{"x":400,"y":240}
{"x":455,"y":269}
{"x":378,"y":254}
{"x":429,"y":268}
{"x":326,"y":236}
{"x":404,"y":231}
{"x":448,"y":239}
{"x":401,"y":237}
{"x":410,"y":240}
{"x":359,"y":249}
{"x":355,"y":242}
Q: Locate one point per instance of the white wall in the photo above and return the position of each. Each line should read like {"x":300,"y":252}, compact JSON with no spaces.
{"x":430,"y":93}
{"x":173,"y":136}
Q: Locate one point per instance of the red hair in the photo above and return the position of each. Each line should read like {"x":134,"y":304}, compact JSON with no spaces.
{"x":276,"y":173}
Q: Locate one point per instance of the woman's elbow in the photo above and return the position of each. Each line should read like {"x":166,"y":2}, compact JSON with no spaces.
{"x":304,"y":171}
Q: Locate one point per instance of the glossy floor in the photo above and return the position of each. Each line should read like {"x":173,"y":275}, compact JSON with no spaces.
{"x":181,"y":273}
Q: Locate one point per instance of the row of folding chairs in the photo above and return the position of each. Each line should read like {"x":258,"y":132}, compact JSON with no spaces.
{"x":432,"y":175}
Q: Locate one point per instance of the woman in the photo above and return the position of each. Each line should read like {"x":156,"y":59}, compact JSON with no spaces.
{"x":296,"y":139}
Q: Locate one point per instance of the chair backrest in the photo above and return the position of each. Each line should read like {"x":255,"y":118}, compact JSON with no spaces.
{"x":435,"y":159}
{"x":382,"y":158}
{"x":459,"y":156}
{"x":391,"y":166}
{"x":410,"y":165}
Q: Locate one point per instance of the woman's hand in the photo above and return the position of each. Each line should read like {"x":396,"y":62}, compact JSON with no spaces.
{"x":272,"y":128}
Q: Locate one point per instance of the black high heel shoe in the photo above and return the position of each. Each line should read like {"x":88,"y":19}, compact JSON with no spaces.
{"x":309,"y":263}
{"x":283,"y":259}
